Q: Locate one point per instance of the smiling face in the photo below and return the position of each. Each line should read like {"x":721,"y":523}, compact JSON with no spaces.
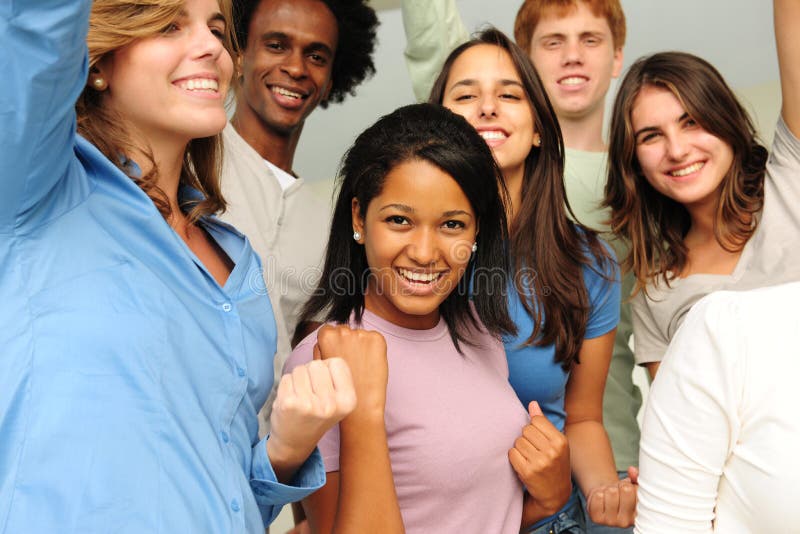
{"x":286,"y":65}
{"x":485,"y":88}
{"x":172,"y":86}
{"x":417,"y":236}
{"x":677,"y":156}
{"x":575,"y":57}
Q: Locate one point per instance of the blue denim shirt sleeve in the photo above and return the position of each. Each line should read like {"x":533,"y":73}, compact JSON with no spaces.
{"x":270,"y":494}
{"x":44,"y":63}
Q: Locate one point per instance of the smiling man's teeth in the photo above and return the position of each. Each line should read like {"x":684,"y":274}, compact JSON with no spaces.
{"x":199,"y":84}
{"x":694,"y":167}
{"x":418,"y":277}
{"x":493,"y":134}
{"x":286,"y":92}
{"x":573,"y":80}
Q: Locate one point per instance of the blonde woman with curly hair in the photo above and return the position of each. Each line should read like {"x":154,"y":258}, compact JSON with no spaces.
{"x":138,"y":345}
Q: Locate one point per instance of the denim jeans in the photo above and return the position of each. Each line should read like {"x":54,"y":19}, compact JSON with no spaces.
{"x":569,"y":521}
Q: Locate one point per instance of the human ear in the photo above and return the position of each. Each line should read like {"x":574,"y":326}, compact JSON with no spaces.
{"x":618,"y":58}
{"x":358,"y":221}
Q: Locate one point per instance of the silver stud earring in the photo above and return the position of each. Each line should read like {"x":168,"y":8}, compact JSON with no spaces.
{"x":475,"y":247}
{"x":357,"y":235}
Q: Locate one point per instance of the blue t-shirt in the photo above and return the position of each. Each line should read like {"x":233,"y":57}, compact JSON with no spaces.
{"x":533,"y":372}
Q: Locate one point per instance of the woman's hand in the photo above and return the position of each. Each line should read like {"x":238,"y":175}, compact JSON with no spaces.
{"x":614,"y":504}
{"x":310,"y":400}
{"x":540,"y":458}
{"x":365,"y":354}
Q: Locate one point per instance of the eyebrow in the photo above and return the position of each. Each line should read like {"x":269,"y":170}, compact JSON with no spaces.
{"x":471,"y":82}
{"x":408,"y":209}
{"x":648,"y":129}
{"x":217,"y":16}
{"x":315,"y":46}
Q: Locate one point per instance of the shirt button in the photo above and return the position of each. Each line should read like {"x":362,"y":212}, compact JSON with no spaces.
{"x":227,"y":307}
{"x":224,"y":436}
{"x":235,"y":505}
{"x":240,"y":372}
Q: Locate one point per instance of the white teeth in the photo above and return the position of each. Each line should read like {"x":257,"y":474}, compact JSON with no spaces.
{"x":199,"y":84}
{"x":286,"y":92}
{"x":493,"y":134}
{"x":573,"y":80}
{"x":694,"y":167}
{"x":418,"y":277}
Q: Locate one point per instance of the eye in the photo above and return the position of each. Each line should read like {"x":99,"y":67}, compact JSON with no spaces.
{"x":464,"y":97}
{"x":274,"y":46}
{"x":510,"y":96}
{"x":648,"y":137}
{"x":318,"y":59}
{"x":171,"y":28}
{"x":551,"y":44}
{"x":219,"y":33}
{"x":454,"y":225}
{"x":592,"y":41}
{"x":397,"y":219}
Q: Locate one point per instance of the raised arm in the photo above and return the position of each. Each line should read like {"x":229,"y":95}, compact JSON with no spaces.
{"x":361,"y":496}
{"x":433,"y":29}
{"x":44,"y":64}
{"x":787,"y":37}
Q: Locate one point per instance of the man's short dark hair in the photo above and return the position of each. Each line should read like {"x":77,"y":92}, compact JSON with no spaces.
{"x":352,"y":63}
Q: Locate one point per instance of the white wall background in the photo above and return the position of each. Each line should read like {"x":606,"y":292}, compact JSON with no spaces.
{"x":734,"y":35}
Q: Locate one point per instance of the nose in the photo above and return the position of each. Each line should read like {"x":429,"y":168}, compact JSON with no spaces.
{"x":294,"y":64}
{"x":677,"y":146}
{"x":208,"y":44}
{"x":424,"y":249}
{"x":572,"y":52}
{"x":488,"y":106}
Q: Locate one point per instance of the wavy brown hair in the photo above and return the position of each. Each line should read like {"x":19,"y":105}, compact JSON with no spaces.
{"x":654,"y":224}
{"x":117,"y":23}
{"x":548,"y":250}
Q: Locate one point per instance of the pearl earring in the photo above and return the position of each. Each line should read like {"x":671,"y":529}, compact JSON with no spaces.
{"x":475,"y":247}
{"x":99,"y":83}
{"x":357,"y":235}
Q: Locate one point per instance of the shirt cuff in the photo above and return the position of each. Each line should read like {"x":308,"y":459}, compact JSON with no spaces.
{"x":268,"y":491}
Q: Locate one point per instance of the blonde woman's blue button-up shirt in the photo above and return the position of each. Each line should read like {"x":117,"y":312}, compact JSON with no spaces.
{"x":129,"y":379}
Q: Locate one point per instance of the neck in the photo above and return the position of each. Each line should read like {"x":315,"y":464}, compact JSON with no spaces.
{"x":702,"y":216}
{"x":513,"y":180}
{"x":276,"y":147}
{"x":168,"y":156}
{"x":584,"y":132}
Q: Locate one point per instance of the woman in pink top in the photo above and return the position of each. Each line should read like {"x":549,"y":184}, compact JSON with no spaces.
{"x":416,"y":254}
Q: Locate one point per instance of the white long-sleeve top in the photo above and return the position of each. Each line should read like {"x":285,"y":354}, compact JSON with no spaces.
{"x":721,"y":432}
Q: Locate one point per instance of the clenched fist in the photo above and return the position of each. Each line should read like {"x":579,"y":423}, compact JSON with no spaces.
{"x":365,"y":354}
{"x":310,"y":400}
{"x":540,"y":458}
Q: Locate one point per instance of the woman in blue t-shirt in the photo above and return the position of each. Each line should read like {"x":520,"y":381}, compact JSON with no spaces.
{"x":565,"y":296}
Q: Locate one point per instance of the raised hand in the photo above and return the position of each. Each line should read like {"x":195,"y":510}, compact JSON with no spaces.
{"x":365,"y":353}
{"x":540,"y":458}
{"x":614,"y":504}
{"x":310,"y":400}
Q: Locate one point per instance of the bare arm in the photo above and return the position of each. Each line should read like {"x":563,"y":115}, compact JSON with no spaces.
{"x":610,"y":501}
{"x":361,"y":497}
{"x":652,"y":369}
{"x":787,"y":38}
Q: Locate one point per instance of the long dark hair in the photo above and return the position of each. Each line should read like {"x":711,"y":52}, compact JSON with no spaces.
{"x":549,"y":251}
{"x":438,"y":136}
{"x":654,"y":224}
